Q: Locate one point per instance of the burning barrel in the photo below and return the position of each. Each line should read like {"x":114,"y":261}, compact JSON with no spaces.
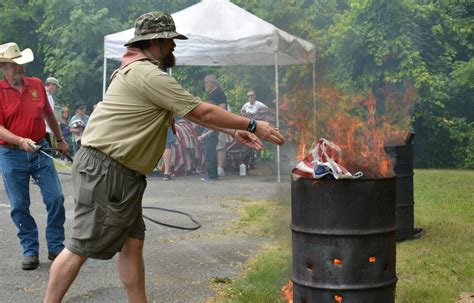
{"x":343,"y":240}
{"x":404,"y":202}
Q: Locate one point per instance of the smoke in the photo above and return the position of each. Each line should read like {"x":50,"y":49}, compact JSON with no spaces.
{"x":361,"y":124}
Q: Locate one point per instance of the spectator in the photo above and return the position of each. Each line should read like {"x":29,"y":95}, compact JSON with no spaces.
{"x":253,"y":106}
{"x":23,"y":107}
{"x":210,"y":137}
{"x":256,"y":110}
{"x":78,"y":124}
{"x":64,"y":126}
{"x":51,"y":86}
{"x":222,"y":150}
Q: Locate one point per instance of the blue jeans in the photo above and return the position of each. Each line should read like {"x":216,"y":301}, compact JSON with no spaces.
{"x":76,"y":145}
{"x":17,"y":166}
{"x":211,"y":155}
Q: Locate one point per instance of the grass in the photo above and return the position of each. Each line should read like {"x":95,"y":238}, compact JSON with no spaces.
{"x":269,"y":269}
{"x":435,"y":268}
{"x":255,"y":213}
{"x":440,"y":265}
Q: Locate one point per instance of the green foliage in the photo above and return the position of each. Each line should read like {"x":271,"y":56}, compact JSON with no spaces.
{"x":19,"y":23}
{"x":361,"y":46}
{"x":372,"y":43}
{"x":67,"y":38}
{"x":70,"y":47}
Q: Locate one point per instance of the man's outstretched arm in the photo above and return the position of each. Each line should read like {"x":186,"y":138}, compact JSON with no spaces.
{"x":212,"y":116}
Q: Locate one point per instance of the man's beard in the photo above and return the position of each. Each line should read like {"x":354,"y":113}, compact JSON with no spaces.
{"x":168,"y":61}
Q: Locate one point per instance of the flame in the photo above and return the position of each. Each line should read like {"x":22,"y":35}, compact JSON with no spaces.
{"x":301,"y":150}
{"x":362,"y":125}
{"x":361,"y":138}
{"x":287,"y":292}
{"x":296,"y":121}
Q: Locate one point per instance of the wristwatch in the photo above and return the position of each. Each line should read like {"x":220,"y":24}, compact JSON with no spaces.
{"x":252,"y":126}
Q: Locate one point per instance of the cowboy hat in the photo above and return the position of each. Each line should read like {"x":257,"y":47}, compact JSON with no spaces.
{"x":10,"y":52}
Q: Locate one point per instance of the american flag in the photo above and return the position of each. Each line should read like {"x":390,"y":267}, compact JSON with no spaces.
{"x":323,"y":160}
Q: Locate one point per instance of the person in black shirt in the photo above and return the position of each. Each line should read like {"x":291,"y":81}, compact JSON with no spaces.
{"x":210,"y":137}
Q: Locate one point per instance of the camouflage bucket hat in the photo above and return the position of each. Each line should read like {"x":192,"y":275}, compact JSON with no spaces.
{"x":155,"y":25}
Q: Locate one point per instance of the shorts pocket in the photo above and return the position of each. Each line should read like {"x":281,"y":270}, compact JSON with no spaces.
{"x":88,"y":213}
{"x":87,"y":188}
{"x":120,"y":214}
{"x":124,"y":200}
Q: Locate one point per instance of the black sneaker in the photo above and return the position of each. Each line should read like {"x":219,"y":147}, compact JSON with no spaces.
{"x":166,"y":177}
{"x":30,"y":263}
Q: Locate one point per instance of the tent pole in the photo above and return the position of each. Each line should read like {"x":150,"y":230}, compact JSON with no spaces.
{"x":277,"y":105}
{"x":104,"y":80}
{"x":314,"y":99}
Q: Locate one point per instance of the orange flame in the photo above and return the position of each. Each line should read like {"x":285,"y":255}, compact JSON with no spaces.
{"x":287,"y":292}
{"x":354,"y":123}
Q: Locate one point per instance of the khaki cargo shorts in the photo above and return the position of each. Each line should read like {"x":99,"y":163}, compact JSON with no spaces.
{"x":108,"y":205}
{"x":221,"y":143}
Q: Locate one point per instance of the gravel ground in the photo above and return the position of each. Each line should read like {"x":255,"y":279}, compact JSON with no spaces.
{"x":179,"y":264}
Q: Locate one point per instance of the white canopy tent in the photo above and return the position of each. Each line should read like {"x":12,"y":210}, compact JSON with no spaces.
{"x":221,"y":33}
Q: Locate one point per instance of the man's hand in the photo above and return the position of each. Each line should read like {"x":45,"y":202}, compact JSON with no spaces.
{"x":268,"y":133}
{"x":62,"y":147}
{"x":248,"y":139}
{"x":25,"y":145}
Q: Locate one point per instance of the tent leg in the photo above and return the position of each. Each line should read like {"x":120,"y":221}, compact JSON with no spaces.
{"x":314,"y":99}
{"x":104,"y":80}
{"x":277,"y":105}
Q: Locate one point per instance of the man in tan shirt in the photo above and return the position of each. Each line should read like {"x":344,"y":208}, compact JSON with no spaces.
{"x":123,"y":141}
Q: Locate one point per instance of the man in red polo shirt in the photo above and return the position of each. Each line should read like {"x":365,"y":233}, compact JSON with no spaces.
{"x":24,"y":107}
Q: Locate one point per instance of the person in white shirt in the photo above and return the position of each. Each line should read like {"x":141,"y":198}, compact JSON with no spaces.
{"x":252,"y":109}
{"x":51,"y":86}
{"x":252,"y":106}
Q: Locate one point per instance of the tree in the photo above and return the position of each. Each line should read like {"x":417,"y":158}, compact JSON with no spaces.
{"x":72,"y":35}
{"x":374,"y":43}
{"x":19,"y":21}
{"x":362,"y":46}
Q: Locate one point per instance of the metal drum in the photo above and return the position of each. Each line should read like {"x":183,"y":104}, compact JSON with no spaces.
{"x":343,"y":240}
{"x":403,"y":154}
